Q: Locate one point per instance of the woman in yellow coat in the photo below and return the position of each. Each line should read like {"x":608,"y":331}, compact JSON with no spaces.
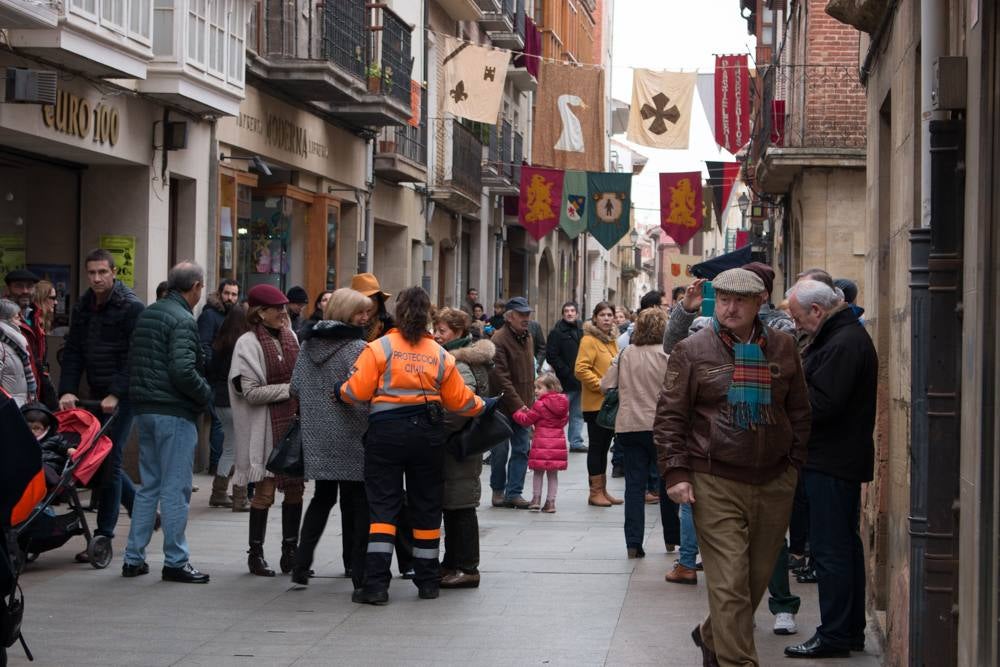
{"x":597,"y":349}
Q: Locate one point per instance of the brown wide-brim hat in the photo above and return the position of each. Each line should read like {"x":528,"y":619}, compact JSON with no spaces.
{"x":367,"y":284}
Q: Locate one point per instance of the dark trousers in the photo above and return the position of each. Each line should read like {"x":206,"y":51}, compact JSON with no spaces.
{"x":353,"y":503}
{"x":408,"y":447}
{"x":461,"y":540}
{"x":669,"y":517}
{"x":116,"y":487}
{"x":599,"y":442}
{"x":835,"y":544}
{"x":798,"y":528}
{"x":216,"y":437}
{"x":638,"y":451}
{"x":780,"y":595}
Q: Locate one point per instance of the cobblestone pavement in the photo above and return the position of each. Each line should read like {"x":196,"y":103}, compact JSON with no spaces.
{"x":556,"y":590}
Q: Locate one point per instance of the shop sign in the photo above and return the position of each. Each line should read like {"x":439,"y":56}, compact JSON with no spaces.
{"x":73,"y":115}
{"x":122,"y":248}
{"x":283,"y":134}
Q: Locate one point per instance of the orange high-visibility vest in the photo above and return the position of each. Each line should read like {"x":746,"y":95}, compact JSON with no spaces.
{"x":392,"y":373}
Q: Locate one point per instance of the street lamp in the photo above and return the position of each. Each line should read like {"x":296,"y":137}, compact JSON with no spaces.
{"x":634,"y":236}
{"x":744,"y":203}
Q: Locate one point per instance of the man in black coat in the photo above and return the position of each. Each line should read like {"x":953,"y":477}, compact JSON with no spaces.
{"x":560,"y":351}
{"x":209,"y":322}
{"x":841,"y":368}
{"x":100,"y":334}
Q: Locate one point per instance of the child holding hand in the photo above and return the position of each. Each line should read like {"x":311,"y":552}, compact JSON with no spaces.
{"x":547,"y":456}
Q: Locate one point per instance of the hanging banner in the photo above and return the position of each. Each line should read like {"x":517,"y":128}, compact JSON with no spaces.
{"x":680,"y":205}
{"x":732,"y":102}
{"x":538,"y":206}
{"x":722,"y":176}
{"x":474,"y":78}
{"x":122,"y":248}
{"x":568,"y":131}
{"x":415,"y":90}
{"x":660,"y":115}
{"x":707,"y":198}
{"x":706,"y":95}
{"x":575,"y":213}
{"x":610,"y":196}
{"x":778,"y":122}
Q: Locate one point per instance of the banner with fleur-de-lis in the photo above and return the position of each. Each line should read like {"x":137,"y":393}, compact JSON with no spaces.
{"x":474,"y":78}
{"x":660,"y":116}
{"x":681,"y":205}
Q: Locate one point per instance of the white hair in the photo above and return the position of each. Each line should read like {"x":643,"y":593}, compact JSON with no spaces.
{"x":809,"y":292}
{"x":8,"y":309}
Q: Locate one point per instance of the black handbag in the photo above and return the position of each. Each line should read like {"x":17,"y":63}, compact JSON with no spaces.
{"x":286,"y":458}
{"x":609,"y":410}
{"x":480,"y":434}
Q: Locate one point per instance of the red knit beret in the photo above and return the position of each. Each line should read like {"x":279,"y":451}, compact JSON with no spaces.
{"x":266,"y":295}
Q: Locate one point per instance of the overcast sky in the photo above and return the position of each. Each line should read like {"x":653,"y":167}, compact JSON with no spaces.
{"x":673,"y":35}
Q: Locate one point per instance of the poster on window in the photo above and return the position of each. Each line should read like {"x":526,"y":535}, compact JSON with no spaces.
{"x":11,"y":252}
{"x":122,"y":248}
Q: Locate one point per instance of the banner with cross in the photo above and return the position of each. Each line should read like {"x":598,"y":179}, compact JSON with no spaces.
{"x":660,"y":116}
{"x":474,"y":78}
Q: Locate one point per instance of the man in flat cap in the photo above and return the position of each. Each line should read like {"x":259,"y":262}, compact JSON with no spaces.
{"x":731,"y":428}
{"x":21,"y":290}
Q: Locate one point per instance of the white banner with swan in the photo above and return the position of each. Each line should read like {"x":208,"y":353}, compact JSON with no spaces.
{"x":569,"y":117}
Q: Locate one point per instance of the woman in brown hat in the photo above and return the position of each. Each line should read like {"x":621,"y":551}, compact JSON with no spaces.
{"x":381,"y":321}
{"x":263,"y":410}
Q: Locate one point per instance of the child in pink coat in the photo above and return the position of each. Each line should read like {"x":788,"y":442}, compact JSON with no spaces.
{"x":547,"y":456}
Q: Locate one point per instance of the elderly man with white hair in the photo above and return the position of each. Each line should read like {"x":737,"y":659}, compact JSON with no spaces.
{"x":841,"y":369}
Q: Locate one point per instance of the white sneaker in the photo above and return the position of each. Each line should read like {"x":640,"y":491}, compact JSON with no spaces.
{"x":784,"y":623}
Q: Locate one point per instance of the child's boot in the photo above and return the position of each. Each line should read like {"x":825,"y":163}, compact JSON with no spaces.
{"x":550,"y":506}
{"x":536,"y":503}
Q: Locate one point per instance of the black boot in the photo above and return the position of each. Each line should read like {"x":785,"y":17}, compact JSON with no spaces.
{"x":255,"y":559}
{"x":291,"y":517}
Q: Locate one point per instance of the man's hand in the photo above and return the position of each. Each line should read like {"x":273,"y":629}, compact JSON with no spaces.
{"x":67,"y":401}
{"x":693,"y":296}
{"x":109,"y":404}
{"x":681,"y":493}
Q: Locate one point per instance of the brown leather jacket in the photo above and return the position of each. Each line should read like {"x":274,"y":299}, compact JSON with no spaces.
{"x":693,"y":431}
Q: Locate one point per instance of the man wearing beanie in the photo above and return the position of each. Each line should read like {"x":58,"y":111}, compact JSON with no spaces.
{"x":731,"y":428}
{"x":298,"y":299}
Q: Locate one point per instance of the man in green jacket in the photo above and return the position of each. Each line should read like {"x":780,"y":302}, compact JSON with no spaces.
{"x":168,"y":392}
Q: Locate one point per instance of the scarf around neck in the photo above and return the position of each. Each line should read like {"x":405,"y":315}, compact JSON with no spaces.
{"x":750,"y":391}
{"x":280,"y":355}
{"x":13,"y":338}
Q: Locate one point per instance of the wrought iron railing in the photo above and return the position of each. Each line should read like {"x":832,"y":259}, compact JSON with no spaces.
{"x":394,"y":52}
{"x":408,"y":141}
{"x":506,"y":148}
{"x":345,"y":27}
{"x":493,"y":149}
{"x":515,"y":173}
{"x":466,"y":159}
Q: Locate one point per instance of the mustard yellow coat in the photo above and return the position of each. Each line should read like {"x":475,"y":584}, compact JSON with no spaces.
{"x":597,"y":349}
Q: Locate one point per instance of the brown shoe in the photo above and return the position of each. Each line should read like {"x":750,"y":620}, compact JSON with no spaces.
{"x":597,"y":497}
{"x":219,"y":498}
{"x":652,"y":498}
{"x":498,"y":499}
{"x":460,"y":580}
{"x":240,"y":502}
{"x":682,"y":575}
{"x":708,"y":657}
{"x":604,"y":489}
{"x":518,"y":503}
{"x":535,"y":504}
{"x":549,"y":507}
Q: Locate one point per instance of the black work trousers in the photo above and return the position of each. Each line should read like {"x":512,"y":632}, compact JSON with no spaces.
{"x":409,"y":447}
{"x":352,"y":503}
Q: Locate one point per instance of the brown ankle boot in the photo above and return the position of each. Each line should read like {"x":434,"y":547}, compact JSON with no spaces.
{"x":535,"y":504}
{"x":549,"y":507}
{"x":219,"y":498}
{"x":604,"y":489}
{"x":597,"y":497}
{"x":240,"y":502}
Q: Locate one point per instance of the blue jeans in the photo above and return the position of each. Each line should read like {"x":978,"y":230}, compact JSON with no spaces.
{"x":166,"y":454}
{"x":638,"y":451}
{"x":216,"y":437}
{"x":835,"y":545}
{"x":689,"y":538}
{"x":508,"y":476}
{"x":116,"y":488}
{"x":575,"y":436}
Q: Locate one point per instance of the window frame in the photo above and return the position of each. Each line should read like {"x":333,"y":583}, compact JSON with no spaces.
{"x":189,"y":34}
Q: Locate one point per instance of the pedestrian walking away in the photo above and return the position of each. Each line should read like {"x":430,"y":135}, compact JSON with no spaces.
{"x":548,"y":416}
{"x":263,"y":411}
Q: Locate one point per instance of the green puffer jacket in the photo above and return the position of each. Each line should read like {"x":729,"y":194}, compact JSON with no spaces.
{"x":473,"y":359}
{"x":165,"y":361}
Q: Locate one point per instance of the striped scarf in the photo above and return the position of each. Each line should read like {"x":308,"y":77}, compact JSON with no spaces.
{"x":750,"y":392}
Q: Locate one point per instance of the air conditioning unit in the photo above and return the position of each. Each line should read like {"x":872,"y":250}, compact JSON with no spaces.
{"x":30,"y":86}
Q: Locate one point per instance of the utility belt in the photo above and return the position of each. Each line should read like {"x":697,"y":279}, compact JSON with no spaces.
{"x":431,"y":409}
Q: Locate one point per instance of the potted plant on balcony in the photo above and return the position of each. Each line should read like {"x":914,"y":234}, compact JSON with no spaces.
{"x":374,"y":74}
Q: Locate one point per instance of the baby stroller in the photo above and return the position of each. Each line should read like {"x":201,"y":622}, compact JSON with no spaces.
{"x":44,"y":529}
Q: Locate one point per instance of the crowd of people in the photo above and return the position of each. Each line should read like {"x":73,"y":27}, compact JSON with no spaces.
{"x":744,"y":423}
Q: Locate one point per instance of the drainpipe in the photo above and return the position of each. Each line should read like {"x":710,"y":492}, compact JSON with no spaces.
{"x":485,"y":216}
{"x":212,"y":255}
{"x":369,"y":213}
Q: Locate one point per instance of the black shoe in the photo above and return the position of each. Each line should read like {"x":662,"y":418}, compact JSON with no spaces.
{"x":379,"y":598}
{"x":429,"y":591}
{"x":348,"y":572}
{"x":708,"y":657}
{"x":807,"y":576}
{"x":816,"y":648}
{"x":135,"y":570}
{"x":408,"y":574}
{"x":699,"y":566}
{"x":796,"y":563}
{"x":300,"y":576}
{"x":617,"y":470}
{"x":184,"y":575}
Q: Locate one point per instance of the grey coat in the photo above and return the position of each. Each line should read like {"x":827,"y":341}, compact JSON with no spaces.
{"x":332,"y":432}
{"x":462,"y":488}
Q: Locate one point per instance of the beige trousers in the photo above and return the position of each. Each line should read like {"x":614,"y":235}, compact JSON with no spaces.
{"x":740,"y":532}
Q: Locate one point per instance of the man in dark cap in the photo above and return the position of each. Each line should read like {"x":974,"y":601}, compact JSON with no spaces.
{"x":21,"y":290}
{"x":298,"y":299}
{"x":850,"y":290}
{"x":513,"y":374}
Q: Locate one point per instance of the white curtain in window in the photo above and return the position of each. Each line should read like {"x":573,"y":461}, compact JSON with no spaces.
{"x":85,"y":5}
{"x":237,"y":40}
{"x":138,"y":19}
{"x":113,"y":12}
{"x":197,"y":21}
{"x":217,"y":36}
{"x":163,"y":27}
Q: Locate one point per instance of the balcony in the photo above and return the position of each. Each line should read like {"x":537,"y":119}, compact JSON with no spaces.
{"x":794,"y":129}
{"x":350,"y":57}
{"x":499,"y":17}
{"x":401,"y":152}
{"x":498,"y":170}
{"x":99,"y":38}
{"x":461,"y":184}
{"x":513,"y":37}
{"x":463,"y":10}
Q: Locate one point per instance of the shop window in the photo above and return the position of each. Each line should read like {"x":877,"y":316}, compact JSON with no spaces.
{"x":332,"y":224}
{"x":217,"y":37}
{"x":197,"y":21}
{"x":265,"y":242}
{"x":237,"y":24}
{"x":163,"y":27}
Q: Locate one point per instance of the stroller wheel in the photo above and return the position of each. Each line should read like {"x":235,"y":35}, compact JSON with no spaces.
{"x":100,"y":552}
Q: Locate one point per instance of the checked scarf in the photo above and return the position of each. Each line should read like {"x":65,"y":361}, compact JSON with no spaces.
{"x":279,"y":363}
{"x":750,"y":391}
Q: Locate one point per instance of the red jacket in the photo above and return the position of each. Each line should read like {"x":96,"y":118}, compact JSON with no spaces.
{"x":549,"y":415}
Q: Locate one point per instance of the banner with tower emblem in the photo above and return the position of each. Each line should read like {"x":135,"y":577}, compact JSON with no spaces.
{"x":568,"y":132}
{"x":681,"y":205}
{"x":474,"y":78}
{"x":538,"y":205}
{"x":660,"y":116}
{"x":575,"y":209}
{"x":610,"y":199}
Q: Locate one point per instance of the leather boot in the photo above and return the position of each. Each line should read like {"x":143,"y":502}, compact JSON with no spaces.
{"x":240,"y":502}
{"x":604,"y":489}
{"x":219,"y":498}
{"x":255,"y":559}
{"x":597,"y":497}
{"x":291,"y":517}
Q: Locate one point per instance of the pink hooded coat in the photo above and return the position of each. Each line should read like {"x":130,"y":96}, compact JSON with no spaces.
{"x":549,"y":415}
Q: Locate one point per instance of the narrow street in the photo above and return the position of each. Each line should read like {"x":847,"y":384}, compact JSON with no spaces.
{"x":556,"y":589}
